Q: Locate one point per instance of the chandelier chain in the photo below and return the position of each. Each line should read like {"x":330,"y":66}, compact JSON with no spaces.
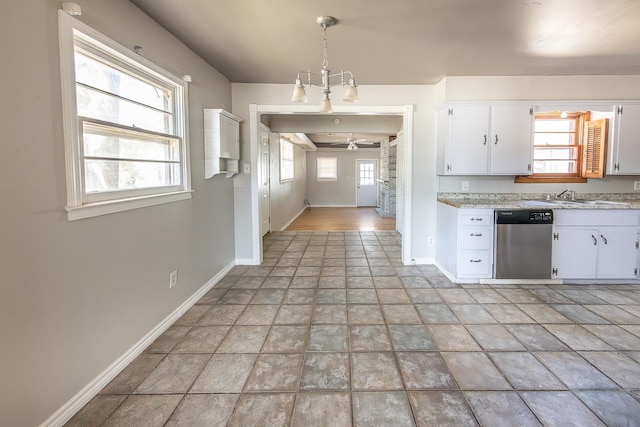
{"x":325,"y":62}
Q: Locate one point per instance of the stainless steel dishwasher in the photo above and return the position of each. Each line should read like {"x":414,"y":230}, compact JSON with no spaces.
{"x":523,"y":244}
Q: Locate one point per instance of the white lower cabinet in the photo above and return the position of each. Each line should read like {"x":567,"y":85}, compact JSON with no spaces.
{"x":599,"y":244}
{"x":465,"y":241}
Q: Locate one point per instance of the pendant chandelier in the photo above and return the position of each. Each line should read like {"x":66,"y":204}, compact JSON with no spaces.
{"x":325,"y":76}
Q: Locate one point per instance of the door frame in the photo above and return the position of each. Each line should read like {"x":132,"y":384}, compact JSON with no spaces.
{"x":377,"y":174}
{"x":406,"y":111}
{"x":268,"y":167}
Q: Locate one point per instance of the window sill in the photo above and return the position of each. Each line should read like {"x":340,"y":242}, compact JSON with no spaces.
{"x":548,"y":180}
{"x":104,"y":208}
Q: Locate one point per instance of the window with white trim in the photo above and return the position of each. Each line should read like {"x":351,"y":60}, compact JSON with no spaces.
{"x":286,"y":160}
{"x":327,"y":168}
{"x":125,"y":126}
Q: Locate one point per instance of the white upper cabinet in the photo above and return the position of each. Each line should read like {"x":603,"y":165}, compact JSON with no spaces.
{"x":481,"y":139}
{"x":625,"y":152}
{"x":511,"y":140}
{"x":221,"y":142}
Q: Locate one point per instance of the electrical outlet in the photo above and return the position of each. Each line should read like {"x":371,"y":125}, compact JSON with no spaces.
{"x":173,"y":279}
{"x":636,"y":185}
{"x":430,"y":241}
{"x":465,"y":185}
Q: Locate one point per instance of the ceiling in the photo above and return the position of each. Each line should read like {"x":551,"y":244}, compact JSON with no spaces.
{"x":409,"y":41}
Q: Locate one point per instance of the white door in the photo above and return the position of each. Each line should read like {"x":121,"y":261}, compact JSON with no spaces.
{"x":367,"y":192}
{"x":264,"y":190}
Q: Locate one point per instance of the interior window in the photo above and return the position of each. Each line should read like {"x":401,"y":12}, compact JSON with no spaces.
{"x":567,"y":147}
{"x":327,"y":169}
{"x":286,"y":160}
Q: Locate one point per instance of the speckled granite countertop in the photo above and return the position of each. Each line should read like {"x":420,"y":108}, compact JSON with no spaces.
{"x":539,"y":201}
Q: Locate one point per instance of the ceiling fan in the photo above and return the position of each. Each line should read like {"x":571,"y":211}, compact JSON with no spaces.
{"x":353,"y":142}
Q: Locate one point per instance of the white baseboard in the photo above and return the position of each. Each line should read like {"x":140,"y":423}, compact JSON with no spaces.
{"x":334,"y":206}
{"x":69,"y":409}
{"x":247,"y":261}
{"x":424,"y":261}
{"x":284,"y":227}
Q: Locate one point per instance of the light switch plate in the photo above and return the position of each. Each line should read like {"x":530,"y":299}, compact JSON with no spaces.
{"x":246,"y":167}
{"x":465,"y":185}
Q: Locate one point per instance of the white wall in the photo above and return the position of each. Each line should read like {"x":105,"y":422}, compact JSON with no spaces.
{"x":77,"y":295}
{"x":287,"y":198}
{"x":537,"y":88}
{"x":343,"y":191}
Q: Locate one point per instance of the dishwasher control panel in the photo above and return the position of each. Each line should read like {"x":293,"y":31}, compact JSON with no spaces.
{"x":524,"y":216}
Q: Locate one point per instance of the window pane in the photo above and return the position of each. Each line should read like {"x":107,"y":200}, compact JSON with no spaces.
{"x":554,"y":139}
{"x":327,"y":168}
{"x":554,"y":153}
{"x":113,"y":175}
{"x":103,"y":141}
{"x":286,"y":160}
{"x":101,"y":106}
{"x":366,"y":174}
{"x":101,"y":76}
{"x":555,"y":167}
{"x":555,"y":125}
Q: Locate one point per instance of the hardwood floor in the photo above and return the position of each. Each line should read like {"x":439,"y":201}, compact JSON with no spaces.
{"x":362,"y":219}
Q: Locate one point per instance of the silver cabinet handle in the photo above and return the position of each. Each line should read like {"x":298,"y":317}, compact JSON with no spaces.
{"x":485,"y":140}
{"x":595,"y":241}
{"x":496,"y":143}
{"x":475,"y":234}
{"x":475,"y":260}
{"x":604,"y":239}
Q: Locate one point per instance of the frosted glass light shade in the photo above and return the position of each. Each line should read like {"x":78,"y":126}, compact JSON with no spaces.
{"x":325,"y":106}
{"x":351,"y":92}
{"x":299,"y":94}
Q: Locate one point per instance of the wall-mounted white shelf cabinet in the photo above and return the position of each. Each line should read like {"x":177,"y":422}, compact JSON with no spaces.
{"x":221,"y":142}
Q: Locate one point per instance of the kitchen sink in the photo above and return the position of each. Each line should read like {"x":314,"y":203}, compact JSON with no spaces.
{"x":599,"y":202}
{"x":563,"y":202}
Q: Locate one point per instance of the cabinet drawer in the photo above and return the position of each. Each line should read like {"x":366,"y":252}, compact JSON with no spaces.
{"x":479,"y":219}
{"x":476,"y":238}
{"x":475,"y":264}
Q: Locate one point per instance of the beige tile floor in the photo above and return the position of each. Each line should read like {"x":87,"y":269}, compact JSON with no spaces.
{"x":332,"y":330}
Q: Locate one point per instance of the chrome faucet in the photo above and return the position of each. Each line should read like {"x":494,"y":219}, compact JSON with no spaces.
{"x":571,"y":192}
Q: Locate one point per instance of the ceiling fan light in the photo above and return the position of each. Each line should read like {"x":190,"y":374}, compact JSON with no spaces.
{"x":325,"y":106}
{"x":351,"y":92}
{"x":299,"y":94}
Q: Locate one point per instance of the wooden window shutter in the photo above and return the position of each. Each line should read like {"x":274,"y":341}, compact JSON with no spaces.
{"x":594,"y":148}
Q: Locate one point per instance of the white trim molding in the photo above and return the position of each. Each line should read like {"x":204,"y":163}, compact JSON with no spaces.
{"x":256,"y":110}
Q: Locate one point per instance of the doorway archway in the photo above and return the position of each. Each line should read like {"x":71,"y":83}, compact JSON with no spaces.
{"x":406,"y":112}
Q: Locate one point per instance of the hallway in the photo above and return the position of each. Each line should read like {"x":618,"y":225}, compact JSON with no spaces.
{"x":332,"y":330}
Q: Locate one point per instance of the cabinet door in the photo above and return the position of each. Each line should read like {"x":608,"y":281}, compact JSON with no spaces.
{"x":229,"y":138}
{"x":575,"y":253}
{"x":627,"y":144}
{"x":617,"y":253}
{"x":468,"y":146}
{"x":511,"y":140}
